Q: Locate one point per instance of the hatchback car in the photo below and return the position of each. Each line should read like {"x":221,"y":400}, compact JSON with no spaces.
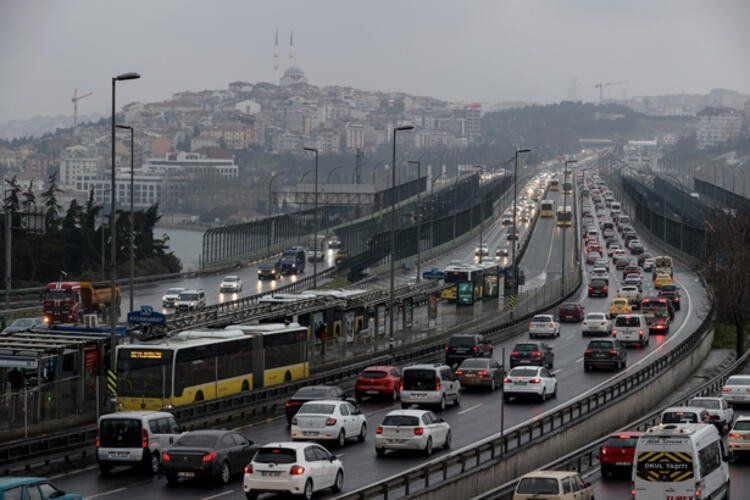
{"x":534,"y":381}
{"x":605,"y":353}
{"x":553,"y":485}
{"x":311,"y":393}
{"x":617,"y":453}
{"x":378,"y":381}
{"x":598,"y":288}
{"x":427,"y":384}
{"x":460,"y":347}
{"x":480,"y":372}
{"x":532,"y":354}
{"x":412,"y":430}
{"x":293,"y":468}
{"x":570,"y":312}
{"x":329,"y":420}
{"x":543,"y":325}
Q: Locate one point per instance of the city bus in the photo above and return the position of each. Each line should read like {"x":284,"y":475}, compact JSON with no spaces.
{"x":462,"y":273}
{"x":554,"y":184}
{"x":200,"y":365}
{"x":564,"y":216}
{"x":547,"y":208}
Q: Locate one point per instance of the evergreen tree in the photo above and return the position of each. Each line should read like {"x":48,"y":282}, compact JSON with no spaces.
{"x":11,"y":198}
{"x":51,"y":206}
{"x":29,"y":198}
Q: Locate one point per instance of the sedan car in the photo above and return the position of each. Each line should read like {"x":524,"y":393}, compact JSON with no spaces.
{"x":329,"y":420}
{"x":571,"y":312}
{"x":611,"y":249}
{"x":24,"y":325}
{"x":719,"y":411}
{"x":736,"y":389}
{"x":378,"y":381}
{"x":207,"y":454}
{"x":739,"y":436}
{"x":412,"y":430}
{"x":598,"y":288}
{"x":293,"y":468}
{"x":171,"y":296}
{"x":532,"y":354}
{"x":481,"y":250}
{"x":230,"y":284}
{"x":601,"y":263}
{"x":592,"y":257}
{"x":636,"y":247}
{"x":480,"y":372}
{"x":530,"y":381}
{"x":311,"y":393}
{"x":595,"y":323}
{"x":501,"y":251}
{"x":543,"y":325}
{"x":12,"y":487}
{"x":605,"y":353}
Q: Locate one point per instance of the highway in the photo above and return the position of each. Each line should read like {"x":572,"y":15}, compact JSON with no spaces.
{"x":476,"y":418}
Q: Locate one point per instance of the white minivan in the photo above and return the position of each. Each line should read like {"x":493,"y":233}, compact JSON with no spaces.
{"x":631,"y":329}
{"x":680,"y":461}
{"x":429,"y":385}
{"x":134,"y":438}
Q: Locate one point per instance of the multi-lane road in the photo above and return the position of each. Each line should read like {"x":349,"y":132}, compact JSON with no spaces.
{"x":478,"y":415}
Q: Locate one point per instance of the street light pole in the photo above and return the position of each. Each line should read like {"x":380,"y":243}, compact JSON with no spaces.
{"x":515,"y":209}
{"x":481,"y":211}
{"x":391,"y":299}
{"x":112,"y":229}
{"x":419,"y":223}
{"x":315,"y":215}
{"x":334,"y":169}
{"x":565,"y":204}
{"x":132,"y":216}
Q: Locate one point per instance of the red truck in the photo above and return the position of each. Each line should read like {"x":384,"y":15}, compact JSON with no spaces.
{"x":70,"y":301}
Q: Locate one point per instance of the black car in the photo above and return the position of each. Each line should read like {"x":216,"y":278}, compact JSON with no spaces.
{"x":636,"y":249}
{"x":461,"y":347}
{"x":268,"y":271}
{"x":533,"y":354}
{"x":673,"y":293}
{"x":207,"y":454}
{"x":598,"y":288}
{"x":642,"y":257}
{"x":605,"y":353}
{"x":311,"y":393}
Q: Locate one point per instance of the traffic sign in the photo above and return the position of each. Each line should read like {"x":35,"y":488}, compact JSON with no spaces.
{"x":112,"y":382}
{"x":148,"y":316}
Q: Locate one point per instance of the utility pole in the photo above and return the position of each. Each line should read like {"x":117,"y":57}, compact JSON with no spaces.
{"x":419,"y":223}
{"x":565,"y":204}
{"x":315,"y":216}
{"x":514,"y":266}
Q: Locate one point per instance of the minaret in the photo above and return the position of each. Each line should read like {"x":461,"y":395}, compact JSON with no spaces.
{"x":276,"y":56}
{"x":291,"y":49}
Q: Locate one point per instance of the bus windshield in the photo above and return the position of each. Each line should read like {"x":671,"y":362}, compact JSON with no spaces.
{"x":456,"y":276}
{"x":144,"y":372}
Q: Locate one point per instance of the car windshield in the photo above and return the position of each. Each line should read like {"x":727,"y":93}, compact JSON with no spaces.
{"x":188,"y":296}
{"x":461,"y":341}
{"x":668,"y":288}
{"x":675,"y":417}
{"x":417,"y":379}
{"x":23,"y":322}
{"x":738,"y":381}
{"x":120,"y":433}
{"x":621,"y":442}
{"x":197,"y":440}
{"x":597,"y":284}
{"x":627,"y":321}
{"x":713,"y":404}
{"x":311,"y":393}
{"x":569,"y":307}
{"x":523,"y":372}
{"x":275,"y":456}
{"x":538,"y":486}
{"x":542,"y":319}
{"x":526,"y":347}
{"x":316,"y":408}
{"x":401,"y":420}
{"x":596,"y":316}
{"x":373,"y":374}
{"x":475,"y":363}
{"x":231,"y":279}
{"x":601,"y":344}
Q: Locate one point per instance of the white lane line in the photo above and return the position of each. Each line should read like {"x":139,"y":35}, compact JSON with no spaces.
{"x":77,"y":471}
{"x":470,"y":408}
{"x":221,"y":494}
{"x":556,"y":371}
{"x":105,"y":493}
{"x":579,"y":359}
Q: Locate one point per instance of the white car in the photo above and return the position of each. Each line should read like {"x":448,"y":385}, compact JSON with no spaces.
{"x":482,"y":250}
{"x":632,"y":293}
{"x":595,"y":323}
{"x":544,"y":325}
{"x":329,"y":421}
{"x":530,"y":381}
{"x":719,"y":411}
{"x":631,"y":329}
{"x":737,"y":389}
{"x":230,"y":284}
{"x":611,"y":250}
{"x":603,"y":263}
{"x":599,"y":273}
{"x":296,"y":468}
{"x":739,"y":435}
{"x":169,"y":298}
{"x":412,"y":430}
{"x":190,"y":300}
{"x":634,"y":280}
{"x":648,"y":264}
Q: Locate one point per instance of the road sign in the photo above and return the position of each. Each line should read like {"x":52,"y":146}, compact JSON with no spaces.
{"x":112,"y":382}
{"x":511,"y":300}
{"x":148,"y":316}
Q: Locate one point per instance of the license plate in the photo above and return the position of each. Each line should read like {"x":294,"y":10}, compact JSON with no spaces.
{"x":269,"y":473}
{"x":518,"y":382}
{"x":419,"y":395}
{"x":395,"y":440}
{"x":372,"y":392}
{"x":310,"y":433}
{"x":186,"y":474}
{"x":622,"y":463}
{"x":119,"y":454}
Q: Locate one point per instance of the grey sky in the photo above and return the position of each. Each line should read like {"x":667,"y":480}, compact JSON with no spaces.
{"x":491,"y":50}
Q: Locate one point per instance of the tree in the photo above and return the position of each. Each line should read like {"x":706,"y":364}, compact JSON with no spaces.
{"x":29,"y":198}
{"x":11,"y":198}
{"x":51,"y":206}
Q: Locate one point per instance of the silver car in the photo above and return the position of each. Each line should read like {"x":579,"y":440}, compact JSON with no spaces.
{"x":544,"y":325}
{"x":737,"y":389}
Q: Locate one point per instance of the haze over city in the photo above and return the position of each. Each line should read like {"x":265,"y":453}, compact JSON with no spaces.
{"x":487,"y":51}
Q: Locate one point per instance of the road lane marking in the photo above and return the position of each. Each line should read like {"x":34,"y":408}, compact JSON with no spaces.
{"x":77,"y":471}
{"x":556,"y":371}
{"x":579,"y":359}
{"x":105,"y":493}
{"x":221,"y":494}
{"x":470,"y":408}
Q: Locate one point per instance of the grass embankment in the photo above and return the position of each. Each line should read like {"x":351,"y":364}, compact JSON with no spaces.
{"x":725,"y":336}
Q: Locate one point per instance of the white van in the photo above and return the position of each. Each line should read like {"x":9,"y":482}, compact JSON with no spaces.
{"x":134,"y":438}
{"x":680,"y":461}
{"x":631,"y":329}
{"x":429,"y":385}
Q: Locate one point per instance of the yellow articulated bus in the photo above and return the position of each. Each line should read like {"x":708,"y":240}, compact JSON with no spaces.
{"x":564,"y":216}
{"x":207,"y":364}
{"x":547,"y":208}
{"x":462,"y":273}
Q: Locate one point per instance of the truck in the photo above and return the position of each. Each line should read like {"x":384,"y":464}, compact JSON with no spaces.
{"x":69,"y":301}
{"x":662,"y":264}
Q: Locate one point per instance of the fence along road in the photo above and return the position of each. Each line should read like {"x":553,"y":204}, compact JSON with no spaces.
{"x":476,"y":419}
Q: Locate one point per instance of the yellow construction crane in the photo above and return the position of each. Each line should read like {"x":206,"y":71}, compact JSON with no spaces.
{"x":601,"y":86}
{"x":75,"y":100}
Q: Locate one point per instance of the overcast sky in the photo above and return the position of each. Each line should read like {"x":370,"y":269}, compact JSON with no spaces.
{"x":489,"y":51}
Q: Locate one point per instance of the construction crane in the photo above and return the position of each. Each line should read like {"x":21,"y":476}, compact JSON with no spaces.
{"x":75,"y":100}
{"x":601,"y":86}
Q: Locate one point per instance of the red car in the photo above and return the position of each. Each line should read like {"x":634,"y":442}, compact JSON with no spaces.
{"x":570,"y":312}
{"x":617,"y":452}
{"x":378,"y":381}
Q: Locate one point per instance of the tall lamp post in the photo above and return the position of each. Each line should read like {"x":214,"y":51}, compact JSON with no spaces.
{"x":131,"y":241}
{"x":565,"y":204}
{"x":419,"y":223}
{"x":391,"y":299}
{"x":334,"y":169}
{"x":481,"y":210}
{"x":315,"y":215}
{"x":515,"y":209}
{"x":113,"y":229}
{"x":270,"y":212}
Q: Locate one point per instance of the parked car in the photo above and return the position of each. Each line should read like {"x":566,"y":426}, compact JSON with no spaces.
{"x":412,"y":430}
{"x":543,"y":325}
{"x":378,"y":381}
{"x":292,"y":468}
{"x":530,"y":381}
{"x":553,"y":485}
{"x":570,"y":312}
{"x":719,"y":411}
{"x":207,"y":454}
{"x":460,"y":347}
{"x":480,"y":372}
{"x":329,"y":420}
{"x":429,"y":384}
{"x":595,"y":323}
{"x":22,"y":488}
{"x":618,"y":453}
{"x":532,"y":354}
{"x":605,"y":353}
{"x":311,"y":393}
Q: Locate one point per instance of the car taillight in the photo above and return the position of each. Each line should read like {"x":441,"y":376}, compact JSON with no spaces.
{"x":535,"y":381}
{"x":459,"y":372}
{"x":330,"y":421}
{"x":747,"y":389}
{"x":446,"y":347}
{"x":591,"y":288}
{"x":551,"y":325}
{"x":248,"y":469}
{"x":402,"y":386}
{"x":289,"y":404}
{"x":379,"y":430}
{"x":437,"y":385}
{"x":506,"y":380}
{"x":98,"y":443}
{"x":165,"y":457}
{"x":297,"y":470}
{"x":531,"y":325}
{"x":698,"y":488}
{"x":475,"y":348}
{"x":294,"y":420}
{"x":482,"y":373}
{"x":613,"y":351}
{"x":418,"y":431}
{"x":515,"y":353}
{"x":640,"y":333}
{"x":603,"y":451}
{"x":734,"y":435}
{"x":726,"y":389}
{"x":632,"y":489}
{"x":208,"y":457}
{"x":144,"y":438}
{"x":588,"y":351}
{"x":536,"y":353}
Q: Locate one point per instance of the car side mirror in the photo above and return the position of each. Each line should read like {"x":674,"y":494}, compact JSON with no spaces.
{"x":332,"y":458}
{"x":441,"y":420}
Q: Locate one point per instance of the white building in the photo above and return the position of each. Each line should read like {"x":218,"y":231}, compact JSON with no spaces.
{"x":147,"y":188}
{"x":355,"y":136}
{"x":191,"y":164}
{"x":76,"y":160}
{"x":248,"y":106}
{"x":718,"y":126}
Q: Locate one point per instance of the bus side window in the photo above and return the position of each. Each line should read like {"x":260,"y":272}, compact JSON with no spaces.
{"x":710,"y":458}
